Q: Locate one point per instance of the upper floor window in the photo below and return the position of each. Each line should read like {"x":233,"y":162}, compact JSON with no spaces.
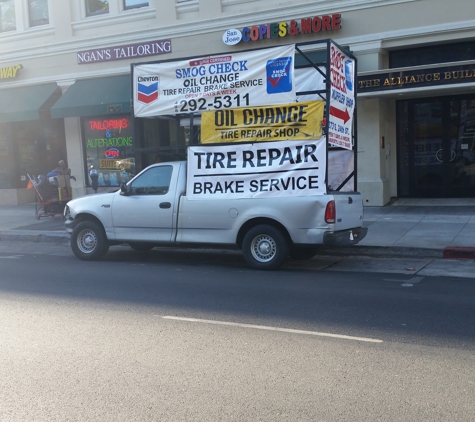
{"x":97,"y":7}
{"x":7,"y":15}
{"x":131,"y":4}
{"x":38,"y":12}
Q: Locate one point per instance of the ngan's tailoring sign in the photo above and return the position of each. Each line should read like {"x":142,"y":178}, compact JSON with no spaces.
{"x":268,"y":169}
{"x":121,"y":52}
{"x":403,"y":79}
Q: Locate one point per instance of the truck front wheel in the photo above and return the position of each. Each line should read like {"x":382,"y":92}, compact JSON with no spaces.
{"x":88,"y":241}
{"x":265,"y":247}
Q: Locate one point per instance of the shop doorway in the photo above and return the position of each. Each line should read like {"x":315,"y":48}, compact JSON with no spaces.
{"x":436,"y":147}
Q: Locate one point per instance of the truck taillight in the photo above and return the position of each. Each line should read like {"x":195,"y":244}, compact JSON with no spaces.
{"x":330,"y":212}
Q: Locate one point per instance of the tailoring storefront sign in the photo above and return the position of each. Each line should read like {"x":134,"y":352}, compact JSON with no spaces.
{"x":231,"y":80}
{"x":342,"y":98}
{"x":121,"y":52}
{"x":417,"y":78}
{"x":268,"y":169}
{"x":297,"y":121}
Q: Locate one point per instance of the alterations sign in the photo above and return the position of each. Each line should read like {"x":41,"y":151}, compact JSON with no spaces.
{"x":342,"y":98}
{"x":297,"y":121}
{"x":231,"y":80}
{"x":268,"y":169}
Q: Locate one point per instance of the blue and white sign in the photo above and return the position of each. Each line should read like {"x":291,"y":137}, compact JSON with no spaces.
{"x":232,"y":37}
{"x":231,"y":80}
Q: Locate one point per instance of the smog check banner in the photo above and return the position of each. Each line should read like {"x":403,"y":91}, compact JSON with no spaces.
{"x":261,"y":170}
{"x":252,"y":78}
{"x":297,"y":121}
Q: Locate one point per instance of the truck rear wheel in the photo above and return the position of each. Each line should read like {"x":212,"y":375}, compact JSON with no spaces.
{"x":265,"y":247}
{"x":88,"y":241}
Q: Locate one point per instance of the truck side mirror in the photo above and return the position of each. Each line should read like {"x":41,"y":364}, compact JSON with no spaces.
{"x":124,"y":189}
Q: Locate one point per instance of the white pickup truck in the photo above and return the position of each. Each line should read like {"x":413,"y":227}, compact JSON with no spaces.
{"x":153,"y":210}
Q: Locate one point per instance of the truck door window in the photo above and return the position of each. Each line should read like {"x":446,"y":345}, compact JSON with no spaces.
{"x":155,"y":181}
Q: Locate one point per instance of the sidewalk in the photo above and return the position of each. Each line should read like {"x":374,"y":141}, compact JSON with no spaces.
{"x":419,"y":228}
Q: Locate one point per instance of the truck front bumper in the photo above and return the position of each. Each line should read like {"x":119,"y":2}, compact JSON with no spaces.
{"x":345,"y":237}
{"x":70,"y":224}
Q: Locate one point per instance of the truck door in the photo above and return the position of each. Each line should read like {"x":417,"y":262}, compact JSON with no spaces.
{"x":146,"y":212}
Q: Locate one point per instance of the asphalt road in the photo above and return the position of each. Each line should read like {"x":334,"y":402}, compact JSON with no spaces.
{"x":194,"y":336}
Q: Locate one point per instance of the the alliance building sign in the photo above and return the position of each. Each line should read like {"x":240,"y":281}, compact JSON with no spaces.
{"x":122,"y":52}
{"x":416,"y":78}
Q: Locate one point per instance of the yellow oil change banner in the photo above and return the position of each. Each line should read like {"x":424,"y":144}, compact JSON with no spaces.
{"x":289,"y":122}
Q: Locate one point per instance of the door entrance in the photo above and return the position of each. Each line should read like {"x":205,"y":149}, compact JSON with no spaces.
{"x":436,"y":147}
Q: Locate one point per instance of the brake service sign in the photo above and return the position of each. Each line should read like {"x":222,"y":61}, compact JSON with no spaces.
{"x":252,"y":78}
{"x":263,"y":170}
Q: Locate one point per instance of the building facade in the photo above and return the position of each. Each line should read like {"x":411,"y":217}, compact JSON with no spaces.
{"x":65,"y":85}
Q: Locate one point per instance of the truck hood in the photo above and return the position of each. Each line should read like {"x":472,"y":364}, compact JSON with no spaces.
{"x":92,"y":204}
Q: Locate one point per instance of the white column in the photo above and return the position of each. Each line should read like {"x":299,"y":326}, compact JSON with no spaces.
{"x":165,"y":11}
{"x":210,"y":8}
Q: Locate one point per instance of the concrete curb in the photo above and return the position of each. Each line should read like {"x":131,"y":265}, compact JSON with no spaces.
{"x":34,"y":236}
{"x":450,"y":252}
{"x":384,"y":251}
{"x":459,"y":252}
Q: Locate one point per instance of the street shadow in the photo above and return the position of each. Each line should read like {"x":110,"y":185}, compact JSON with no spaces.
{"x":199,"y":283}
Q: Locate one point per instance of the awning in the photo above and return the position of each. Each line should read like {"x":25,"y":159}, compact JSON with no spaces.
{"x":94,"y":97}
{"x":27,"y":102}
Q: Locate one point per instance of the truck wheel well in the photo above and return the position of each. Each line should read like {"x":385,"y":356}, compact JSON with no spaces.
{"x":257,"y":221}
{"x":89,"y":217}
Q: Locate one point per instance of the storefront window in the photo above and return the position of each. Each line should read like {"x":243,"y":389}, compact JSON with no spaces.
{"x":109,"y":147}
{"x":29,"y":148}
{"x":97,"y":7}
{"x":436,"y":147}
{"x":38,"y":12}
{"x":6,"y":155}
{"x":162,"y":140}
{"x":7,"y":15}
{"x":432,"y":54}
{"x":131,"y":4}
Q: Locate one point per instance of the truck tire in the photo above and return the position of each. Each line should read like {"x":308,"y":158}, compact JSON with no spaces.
{"x":141,"y":246}
{"x":265,"y":247}
{"x":88,"y":241}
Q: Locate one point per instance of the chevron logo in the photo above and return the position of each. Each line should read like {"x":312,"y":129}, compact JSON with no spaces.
{"x":147,"y":93}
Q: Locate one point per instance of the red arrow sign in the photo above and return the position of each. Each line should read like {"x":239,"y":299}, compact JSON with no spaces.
{"x":340,"y":114}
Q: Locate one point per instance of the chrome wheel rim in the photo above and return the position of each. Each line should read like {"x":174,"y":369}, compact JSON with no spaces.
{"x":263,"y":248}
{"x":87,"y":241}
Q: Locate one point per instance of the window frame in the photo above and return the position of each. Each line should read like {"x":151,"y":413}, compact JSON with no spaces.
{"x":30,"y":21}
{"x":14,"y":28}
{"x":98,"y":13}
{"x":145,"y":3}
